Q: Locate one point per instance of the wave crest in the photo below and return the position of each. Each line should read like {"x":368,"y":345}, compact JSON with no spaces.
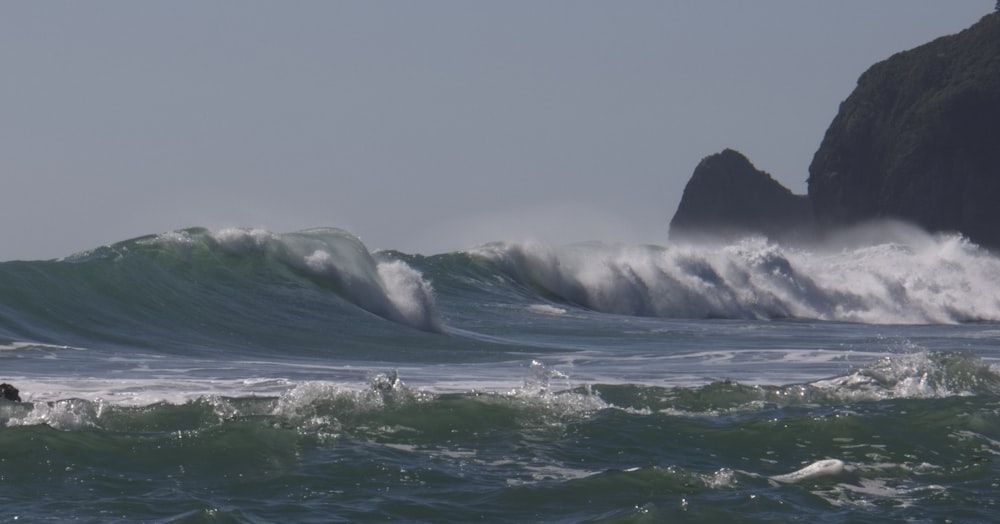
{"x":389,"y":288}
{"x":942,"y":279}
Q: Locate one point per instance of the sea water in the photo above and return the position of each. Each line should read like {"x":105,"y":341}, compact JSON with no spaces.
{"x":249,"y":376}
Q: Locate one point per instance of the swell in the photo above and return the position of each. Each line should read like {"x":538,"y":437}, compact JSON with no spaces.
{"x":195,"y":288}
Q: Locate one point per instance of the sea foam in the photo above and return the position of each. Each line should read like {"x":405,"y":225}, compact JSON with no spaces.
{"x":919,"y":279}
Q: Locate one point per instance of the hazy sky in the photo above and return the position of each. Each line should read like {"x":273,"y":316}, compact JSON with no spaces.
{"x":424,"y":126}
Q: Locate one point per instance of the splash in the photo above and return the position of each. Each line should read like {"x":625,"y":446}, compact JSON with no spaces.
{"x":915,"y":375}
{"x":912,"y":280}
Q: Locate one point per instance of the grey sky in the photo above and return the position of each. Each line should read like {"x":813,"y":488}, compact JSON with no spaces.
{"x":423,"y":126}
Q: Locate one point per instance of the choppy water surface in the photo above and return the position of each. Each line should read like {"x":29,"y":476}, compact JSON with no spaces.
{"x":247,"y":376}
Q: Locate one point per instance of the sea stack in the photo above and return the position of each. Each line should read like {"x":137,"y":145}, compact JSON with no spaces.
{"x":727,"y":198}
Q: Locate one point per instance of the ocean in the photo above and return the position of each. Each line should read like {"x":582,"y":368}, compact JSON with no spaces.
{"x":247,"y":376}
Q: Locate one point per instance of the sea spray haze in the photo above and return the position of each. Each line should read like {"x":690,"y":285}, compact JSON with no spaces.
{"x":251,"y":376}
{"x":913,"y":278}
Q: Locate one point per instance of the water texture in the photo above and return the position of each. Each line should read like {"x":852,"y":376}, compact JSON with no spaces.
{"x":249,"y":376}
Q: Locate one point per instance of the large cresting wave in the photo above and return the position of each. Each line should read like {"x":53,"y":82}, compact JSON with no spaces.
{"x":914,"y":279}
{"x":210,"y":288}
{"x":320,"y":288}
{"x":388,"y":288}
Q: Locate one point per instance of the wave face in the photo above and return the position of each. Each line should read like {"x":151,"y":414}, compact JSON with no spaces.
{"x":234,"y":286}
{"x":314,"y":289}
{"x":926,"y":280}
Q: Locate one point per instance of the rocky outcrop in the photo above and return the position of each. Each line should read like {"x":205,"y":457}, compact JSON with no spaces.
{"x":919,"y":140}
{"x":727,"y":197}
{"x":9,"y":392}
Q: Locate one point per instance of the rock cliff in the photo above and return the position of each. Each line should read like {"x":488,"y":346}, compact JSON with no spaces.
{"x":919,"y":140}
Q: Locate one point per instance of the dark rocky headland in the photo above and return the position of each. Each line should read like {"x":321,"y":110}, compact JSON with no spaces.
{"x":918,"y":140}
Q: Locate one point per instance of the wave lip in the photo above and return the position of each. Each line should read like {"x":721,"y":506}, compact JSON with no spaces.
{"x":388,"y":288}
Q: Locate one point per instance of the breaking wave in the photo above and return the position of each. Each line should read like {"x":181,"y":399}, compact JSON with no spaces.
{"x":211,"y":289}
{"x":925,"y":280}
{"x":321,"y":289}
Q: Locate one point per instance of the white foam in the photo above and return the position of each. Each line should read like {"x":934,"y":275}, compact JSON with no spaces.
{"x":142,"y":391}
{"x":546,"y":309}
{"x":411,"y":296}
{"x":242,"y":241}
{"x":72,"y":414}
{"x":920,"y":374}
{"x":914,"y":279}
{"x":38,"y":346}
{"x":820,"y":468}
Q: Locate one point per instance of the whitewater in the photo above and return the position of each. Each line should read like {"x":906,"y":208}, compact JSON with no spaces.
{"x":244,"y":375}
